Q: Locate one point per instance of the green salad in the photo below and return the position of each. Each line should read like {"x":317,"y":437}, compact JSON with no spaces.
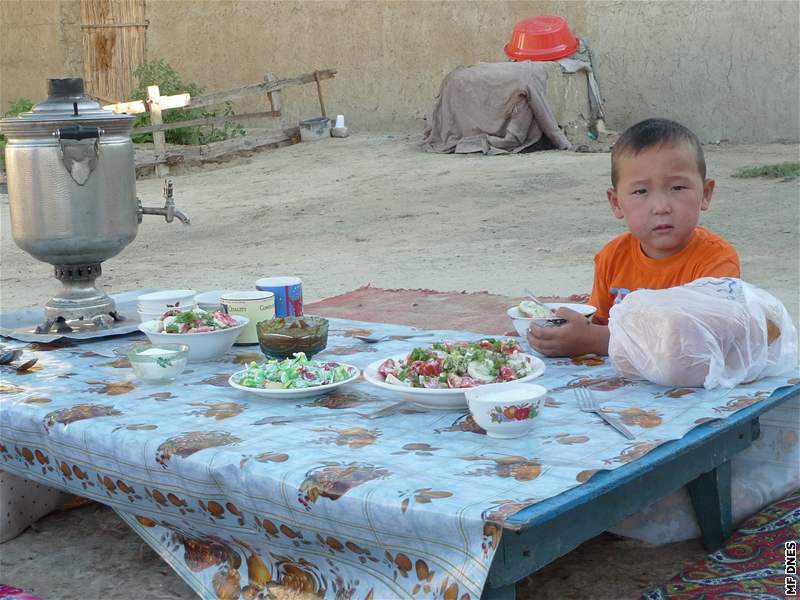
{"x":293,"y":373}
{"x":458,"y":365}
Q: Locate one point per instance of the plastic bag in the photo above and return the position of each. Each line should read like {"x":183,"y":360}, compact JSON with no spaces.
{"x":710,"y":332}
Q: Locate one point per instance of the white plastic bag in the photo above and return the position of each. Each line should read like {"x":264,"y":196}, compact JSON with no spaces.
{"x":710,"y":332}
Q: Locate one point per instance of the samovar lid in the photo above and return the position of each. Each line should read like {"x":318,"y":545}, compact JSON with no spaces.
{"x":66,"y":105}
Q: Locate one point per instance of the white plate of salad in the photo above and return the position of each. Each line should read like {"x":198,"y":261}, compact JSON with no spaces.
{"x":294,"y":378}
{"x":437,"y":376}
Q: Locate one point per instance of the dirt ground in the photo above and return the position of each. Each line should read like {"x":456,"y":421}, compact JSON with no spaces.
{"x":342,"y":213}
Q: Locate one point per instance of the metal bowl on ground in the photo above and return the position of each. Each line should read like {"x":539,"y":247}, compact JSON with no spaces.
{"x":284,"y":336}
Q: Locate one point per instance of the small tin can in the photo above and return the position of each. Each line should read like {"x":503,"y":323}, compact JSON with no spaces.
{"x":255,"y":305}
{"x":288,"y":294}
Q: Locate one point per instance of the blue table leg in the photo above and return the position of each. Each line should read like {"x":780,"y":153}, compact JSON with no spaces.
{"x":711,"y":499}
{"x":506,"y":592}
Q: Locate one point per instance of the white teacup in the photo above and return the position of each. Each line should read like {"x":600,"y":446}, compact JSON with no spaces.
{"x":166,"y":299}
{"x":506,"y":410}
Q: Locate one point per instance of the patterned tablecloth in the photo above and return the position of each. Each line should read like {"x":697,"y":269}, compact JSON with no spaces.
{"x":352,"y":495}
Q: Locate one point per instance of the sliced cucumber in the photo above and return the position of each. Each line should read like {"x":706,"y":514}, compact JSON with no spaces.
{"x":481,"y":370}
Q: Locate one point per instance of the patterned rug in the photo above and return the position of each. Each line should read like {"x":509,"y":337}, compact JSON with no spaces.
{"x":427,"y":309}
{"x":752,"y":564}
{"x":9,"y":592}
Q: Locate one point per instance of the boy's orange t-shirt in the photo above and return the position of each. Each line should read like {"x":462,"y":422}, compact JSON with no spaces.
{"x":622,"y":267}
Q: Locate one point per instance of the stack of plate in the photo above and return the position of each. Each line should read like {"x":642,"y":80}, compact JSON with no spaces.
{"x":151,"y":306}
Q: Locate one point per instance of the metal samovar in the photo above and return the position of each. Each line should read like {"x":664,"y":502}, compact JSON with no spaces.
{"x":72,"y":198}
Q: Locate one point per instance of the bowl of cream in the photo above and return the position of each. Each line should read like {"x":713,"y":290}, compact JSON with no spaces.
{"x":158,"y":363}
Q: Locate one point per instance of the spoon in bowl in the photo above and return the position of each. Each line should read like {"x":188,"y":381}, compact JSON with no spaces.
{"x":535,"y":300}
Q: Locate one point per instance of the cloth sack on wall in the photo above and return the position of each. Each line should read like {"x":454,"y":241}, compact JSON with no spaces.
{"x":494,"y":108}
{"x":710,"y":332}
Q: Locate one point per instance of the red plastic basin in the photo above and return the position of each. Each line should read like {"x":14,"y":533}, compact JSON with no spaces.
{"x":541,"y":38}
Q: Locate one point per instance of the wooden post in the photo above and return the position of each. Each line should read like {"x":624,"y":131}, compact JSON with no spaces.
{"x":275,"y":98}
{"x":711,"y":498}
{"x":159,"y":141}
{"x":319,"y":93}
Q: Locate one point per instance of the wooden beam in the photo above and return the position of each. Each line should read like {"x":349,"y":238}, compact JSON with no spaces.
{"x":202,"y":121}
{"x":215,"y":150}
{"x":319,"y":94}
{"x":275,"y":98}
{"x":139,"y":106}
{"x":134,"y":107}
{"x":159,"y":142}
{"x":260,"y":88}
{"x":269,"y":87}
{"x":251,"y":142}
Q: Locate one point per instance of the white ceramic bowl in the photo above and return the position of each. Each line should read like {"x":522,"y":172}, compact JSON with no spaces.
{"x":205,"y":346}
{"x":506,"y":410}
{"x":211,"y":301}
{"x":147,"y":315}
{"x":522,"y":322}
{"x":158,"y":364}
{"x":154,"y":315}
{"x":165,"y":300}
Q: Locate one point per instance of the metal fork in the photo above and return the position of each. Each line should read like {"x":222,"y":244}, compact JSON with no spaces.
{"x":587,"y":403}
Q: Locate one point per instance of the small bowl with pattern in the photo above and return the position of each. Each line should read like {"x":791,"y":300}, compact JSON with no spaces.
{"x":506,"y":410}
{"x":158,"y":363}
{"x":282,"y":337}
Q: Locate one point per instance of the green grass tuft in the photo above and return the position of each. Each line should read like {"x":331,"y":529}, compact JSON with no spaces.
{"x":18,"y":106}
{"x":785,"y":171}
{"x":159,"y":72}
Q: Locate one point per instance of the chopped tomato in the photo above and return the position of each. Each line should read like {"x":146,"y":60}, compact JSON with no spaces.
{"x":468,"y":382}
{"x":432,"y":368}
{"x":415,"y":368}
{"x":506,"y":373}
{"x":510,"y":346}
{"x":389,"y":367}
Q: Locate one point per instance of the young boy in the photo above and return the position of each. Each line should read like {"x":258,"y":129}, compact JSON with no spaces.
{"x":659,"y":186}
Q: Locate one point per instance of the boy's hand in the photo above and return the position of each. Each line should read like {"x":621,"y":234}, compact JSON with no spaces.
{"x":575,"y":337}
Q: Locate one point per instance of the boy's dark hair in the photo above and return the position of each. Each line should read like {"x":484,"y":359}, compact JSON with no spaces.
{"x":654,"y":132}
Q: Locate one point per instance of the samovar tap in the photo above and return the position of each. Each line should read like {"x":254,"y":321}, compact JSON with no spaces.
{"x":168,"y":211}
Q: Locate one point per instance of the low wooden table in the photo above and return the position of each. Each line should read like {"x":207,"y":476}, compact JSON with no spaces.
{"x":532,"y":538}
{"x":541,"y":533}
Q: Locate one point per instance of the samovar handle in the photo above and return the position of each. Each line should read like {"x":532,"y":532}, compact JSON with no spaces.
{"x":79,"y":132}
{"x":79,"y":159}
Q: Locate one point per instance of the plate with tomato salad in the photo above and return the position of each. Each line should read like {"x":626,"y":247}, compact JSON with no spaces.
{"x":437,"y":376}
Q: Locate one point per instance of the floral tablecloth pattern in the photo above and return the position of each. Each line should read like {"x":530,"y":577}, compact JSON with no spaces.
{"x":353,"y":495}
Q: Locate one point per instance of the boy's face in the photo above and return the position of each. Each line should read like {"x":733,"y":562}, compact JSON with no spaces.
{"x":660,"y":194}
